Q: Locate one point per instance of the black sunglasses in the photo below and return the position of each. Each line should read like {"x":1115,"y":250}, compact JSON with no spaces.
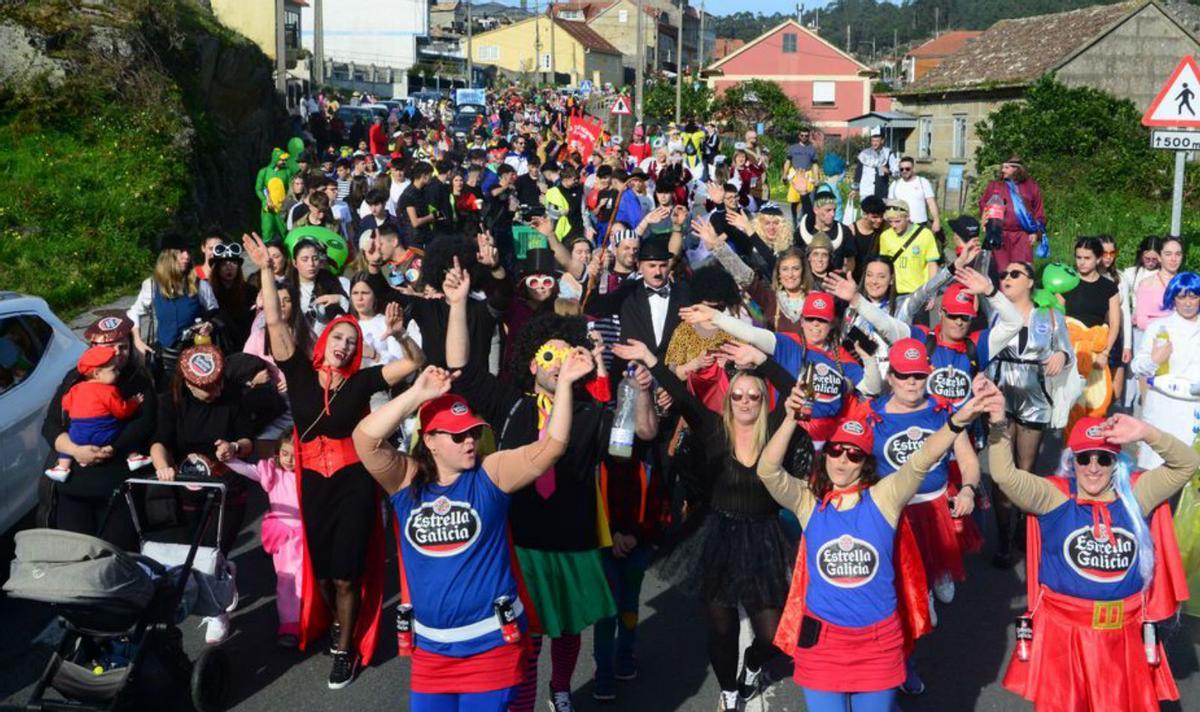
{"x":474,"y":433}
{"x":910,"y":376}
{"x":1014,"y":273}
{"x":853,"y":454}
{"x":1104,"y":459}
{"x":958,"y":317}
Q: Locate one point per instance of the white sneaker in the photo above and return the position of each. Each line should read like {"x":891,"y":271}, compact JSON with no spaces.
{"x":932,"y":611}
{"x":218,"y":629}
{"x":58,"y":473}
{"x":137,"y":462}
{"x":730,"y":701}
{"x":944,"y":589}
{"x":561,"y":702}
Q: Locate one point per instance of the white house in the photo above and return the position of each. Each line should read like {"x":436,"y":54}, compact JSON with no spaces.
{"x":369,"y":44}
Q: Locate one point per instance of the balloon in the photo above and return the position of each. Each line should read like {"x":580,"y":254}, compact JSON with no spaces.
{"x":295,"y":146}
{"x":1059,"y":278}
{"x":1042,"y":298}
{"x":335,"y":247}
{"x":276,"y":191}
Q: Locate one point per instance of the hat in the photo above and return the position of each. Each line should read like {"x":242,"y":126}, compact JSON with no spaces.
{"x":617,"y":235}
{"x":853,"y":432}
{"x":909,"y":356}
{"x":202,"y":366}
{"x":965,"y":227}
{"x":172,"y":241}
{"x":959,"y":300}
{"x":818,"y":305}
{"x":821,"y":241}
{"x":639,"y":174}
{"x":770,"y":208}
{"x":109,"y":329}
{"x":654,"y":249}
{"x":94,"y":358}
{"x":1088,"y":434}
{"x":895,"y":206}
{"x":876,"y":132}
{"x":448,"y":414}
{"x":1015,"y":159}
{"x":539,"y":260}
{"x":824,"y":196}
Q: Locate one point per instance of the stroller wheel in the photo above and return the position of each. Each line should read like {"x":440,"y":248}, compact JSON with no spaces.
{"x":210,"y":680}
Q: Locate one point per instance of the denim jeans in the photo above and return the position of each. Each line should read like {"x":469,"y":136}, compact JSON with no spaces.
{"x":614,"y":638}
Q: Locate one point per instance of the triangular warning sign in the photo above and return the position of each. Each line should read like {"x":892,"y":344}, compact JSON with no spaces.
{"x":620,"y":107}
{"x":1178,"y":102}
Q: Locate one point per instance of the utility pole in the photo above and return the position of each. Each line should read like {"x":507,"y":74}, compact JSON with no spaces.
{"x":537,"y":40}
{"x":937,"y":13}
{"x":470,"y":56}
{"x":678,"y":67}
{"x":553,"y":54}
{"x":700,"y":44}
{"x":800,"y":14}
{"x":849,"y":48}
{"x":280,"y":52}
{"x":640,"y":70}
{"x":318,"y":65}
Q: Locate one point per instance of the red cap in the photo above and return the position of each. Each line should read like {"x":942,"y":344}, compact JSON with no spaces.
{"x":202,"y":366}
{"x":853,"y":432}
{"x":94,"y":358}
{"x":448,"y":414}
{"x":818,"y":305}
{"x":1088,"y":434}
{"x":959,"y":300}
{"x":909,"y":356}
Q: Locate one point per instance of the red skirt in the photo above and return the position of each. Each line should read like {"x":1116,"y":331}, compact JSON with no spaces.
{"x":942,"y":539}
{"x":494,"y":669}
{"x":1078,"y":665}
{"x":865,"y":659}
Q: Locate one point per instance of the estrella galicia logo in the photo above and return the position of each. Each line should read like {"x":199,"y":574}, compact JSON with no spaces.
{"x":901,"y":446}
{"x":847,"y":562}
{"x":950,"y":383}
{"x":1105,"y":559}
{"x":826,"y":383}
{"x":442,"y":527}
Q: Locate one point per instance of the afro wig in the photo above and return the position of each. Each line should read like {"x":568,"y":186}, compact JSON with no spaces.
{"x":712,"y":284}
{"x":439,"y":258}
{"x":539,"y":330}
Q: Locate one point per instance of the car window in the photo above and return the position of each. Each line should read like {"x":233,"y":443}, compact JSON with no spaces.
{"x":23,"y":341}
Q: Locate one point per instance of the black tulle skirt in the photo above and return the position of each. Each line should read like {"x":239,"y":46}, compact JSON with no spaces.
{"x":730,"y":560}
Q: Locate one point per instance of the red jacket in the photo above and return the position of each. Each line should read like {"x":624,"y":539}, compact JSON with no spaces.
{"x":1031,"y":195}
{"x":92,"y":399}
{"x":377,"y":139}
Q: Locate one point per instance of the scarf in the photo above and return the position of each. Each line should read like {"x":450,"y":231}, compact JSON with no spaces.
{"x":546,"y":483}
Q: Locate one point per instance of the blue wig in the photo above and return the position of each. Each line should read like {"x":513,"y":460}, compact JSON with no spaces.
{"x":1179,"y":284}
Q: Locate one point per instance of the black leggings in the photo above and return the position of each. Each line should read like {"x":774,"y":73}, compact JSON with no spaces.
{"x":723,"y":626}
{"x":86,"y":514}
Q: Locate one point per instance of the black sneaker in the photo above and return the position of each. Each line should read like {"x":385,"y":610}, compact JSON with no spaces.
{"x":335,"y":634}
{"x":749,"y":683}
{"x":345,"y":664}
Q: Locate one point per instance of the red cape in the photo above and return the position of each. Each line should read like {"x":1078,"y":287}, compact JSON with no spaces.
{"x":912,"y":594}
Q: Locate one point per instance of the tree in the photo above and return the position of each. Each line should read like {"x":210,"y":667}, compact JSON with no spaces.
{"x":747,"y":104}
{"x":658,"y":101}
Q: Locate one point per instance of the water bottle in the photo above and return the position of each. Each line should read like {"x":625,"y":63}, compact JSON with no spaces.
{"x":199,"y":339}
{"x":993,"y":218}
{"x":1159,"y":338}
{"x":620,"y":440}
{"x":1175,"y":386}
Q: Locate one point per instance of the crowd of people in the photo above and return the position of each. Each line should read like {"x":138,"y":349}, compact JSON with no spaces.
{"x":546,"y":366}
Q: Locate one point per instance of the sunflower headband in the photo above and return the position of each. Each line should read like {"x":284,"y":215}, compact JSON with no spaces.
{"x":550,"y":356}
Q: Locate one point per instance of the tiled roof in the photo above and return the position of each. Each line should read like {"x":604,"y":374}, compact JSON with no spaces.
{"x":1017,"y":51}
{"x":947,"y":44}
{"x":587,"y":37}
{"x":589,"y":8}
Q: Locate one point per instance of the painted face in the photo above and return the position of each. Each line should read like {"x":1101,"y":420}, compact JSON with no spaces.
{"x":790,"y":274}
{"x":876,"y":280}
{"x":362,"y":299}
{"x":308,"y":263}
{"x":745,"y":399}
{"x":341,"y":345}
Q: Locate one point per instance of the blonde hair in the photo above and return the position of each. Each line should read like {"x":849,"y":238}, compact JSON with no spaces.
{"x":784,"y":238}
{"x":761,"y":429}
{"x":173,"y":282}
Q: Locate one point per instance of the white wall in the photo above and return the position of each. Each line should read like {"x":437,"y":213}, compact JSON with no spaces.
{"x":382,"y":32}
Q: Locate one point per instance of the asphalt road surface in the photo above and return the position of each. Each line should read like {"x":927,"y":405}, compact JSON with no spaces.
{"x":961,"y":661}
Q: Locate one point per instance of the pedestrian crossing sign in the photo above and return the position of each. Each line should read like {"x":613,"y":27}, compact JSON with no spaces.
{"x":1178,"y":102}
{"x":620,"y":107}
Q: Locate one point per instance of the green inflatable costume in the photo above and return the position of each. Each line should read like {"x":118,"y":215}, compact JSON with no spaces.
{"x":271,"y":194}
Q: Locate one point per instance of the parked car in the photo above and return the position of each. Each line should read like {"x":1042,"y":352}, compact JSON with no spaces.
{"x":349,"y":113}
{"x":36,"y":351}
{"x":464,"y":119}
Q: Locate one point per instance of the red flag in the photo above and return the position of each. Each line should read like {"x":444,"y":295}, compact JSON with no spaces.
{"x":582,"y":135}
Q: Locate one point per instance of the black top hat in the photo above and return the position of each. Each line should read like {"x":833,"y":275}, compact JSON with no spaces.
{"x":539,"y":260}
{"x":654,"y":248}
{"x":173,"y":241}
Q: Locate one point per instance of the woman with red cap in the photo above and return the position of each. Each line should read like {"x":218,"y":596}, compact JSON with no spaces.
{"x":338,"y":500}
{"x":1102,"y":567}
{"x":468,"y":643}
{"x":857,"y":599}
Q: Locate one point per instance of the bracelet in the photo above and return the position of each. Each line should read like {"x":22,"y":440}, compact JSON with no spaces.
{"x":954,"y":427}
{"x":974,"y":488}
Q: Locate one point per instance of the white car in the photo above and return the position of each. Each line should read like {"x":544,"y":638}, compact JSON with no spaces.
{"x":36,"y":351}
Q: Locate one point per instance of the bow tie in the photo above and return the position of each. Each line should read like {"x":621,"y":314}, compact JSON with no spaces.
{"x":664,"y":291}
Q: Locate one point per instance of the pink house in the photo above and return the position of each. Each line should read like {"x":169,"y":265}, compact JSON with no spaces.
{"x":828,"y":85}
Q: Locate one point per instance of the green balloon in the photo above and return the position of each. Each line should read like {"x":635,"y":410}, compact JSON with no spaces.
{"x":1059,"y":278}
{"x":336,"y":248}
{"x":295,"y":146}
{"x":1042,"y":298}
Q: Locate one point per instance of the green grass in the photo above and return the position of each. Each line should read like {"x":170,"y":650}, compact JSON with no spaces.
{"x":81,"y":203}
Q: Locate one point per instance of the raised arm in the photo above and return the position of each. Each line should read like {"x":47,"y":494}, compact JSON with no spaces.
{"x":1008,"y":320}
{"x":1026,"y":490}
{"x":1180,"y":462}
{"x":889,"y":327}
{"x":693,"y":411}
{"x":792,"y":493}
{"x":396,"y":371}
{"x":282,"y":343}
{"x":761,"y":339}
{"x":457,"y":287}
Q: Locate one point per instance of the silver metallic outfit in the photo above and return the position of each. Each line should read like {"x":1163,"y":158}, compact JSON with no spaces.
{"x":1019,"y":371}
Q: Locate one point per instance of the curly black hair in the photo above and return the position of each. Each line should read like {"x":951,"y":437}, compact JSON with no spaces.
{"x":712,"y":284}
{"x":539,"y":330}
{"x":439,"y":258}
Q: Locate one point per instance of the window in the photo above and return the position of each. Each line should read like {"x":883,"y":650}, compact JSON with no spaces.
{"x":23,"y":340}
{"x":622,"y":16}
{"x":576,"y":15}
{"x":545,"y":63}
{"x":824,"y":93}
{"x":291,"y":29}
{"x":925,"y":137}
{"x":959,"y":149}
{"x":789,"y":42}
{"x":489,"y":52}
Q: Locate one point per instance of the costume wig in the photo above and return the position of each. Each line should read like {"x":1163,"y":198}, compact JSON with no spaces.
{"x":539,"y":330}
{"x":1182,"y":283}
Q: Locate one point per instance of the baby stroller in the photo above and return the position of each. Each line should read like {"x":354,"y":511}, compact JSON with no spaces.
{"x":122,"y":647}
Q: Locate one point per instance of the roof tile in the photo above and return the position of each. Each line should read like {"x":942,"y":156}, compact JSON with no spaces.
{"x":587,"y":37}
{"x":948,"y":43}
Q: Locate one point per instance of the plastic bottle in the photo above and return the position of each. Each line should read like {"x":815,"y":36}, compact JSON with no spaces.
{"x":200,"y":339}
{"x":993,"y":217}
{"x":1175,"y":386}
{"x":620,"y":439}
{"x":1160,"y":338}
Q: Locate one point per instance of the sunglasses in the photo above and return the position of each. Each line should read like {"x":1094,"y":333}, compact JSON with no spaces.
{"x":227,"y":249}
{"x":959,"y":317}
{"x":548,"y":356}
{"x":1110,"y":253}
{"x":816,"y":319}
{"x":474,"y":433}
{"x":739,"y":396}
{"x":1102,"y":458}
{"x":906,"y":169}
{"x":852,"y":453}
{"x":1014,"y":273}
{"x":910,"y":376}
{"x":535,"y":281}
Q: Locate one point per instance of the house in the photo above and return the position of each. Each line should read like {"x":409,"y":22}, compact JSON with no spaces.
{"x":257,"y":21}
{"x":829,"y":86}
{"x":725,"y":46}
{"x":450,"y":18}
{"x":1127,"y":50}
{"x":369,"y":45}
{"x":616,"y":21}
{"x":925,"y":57}
{"x":541,"y":45}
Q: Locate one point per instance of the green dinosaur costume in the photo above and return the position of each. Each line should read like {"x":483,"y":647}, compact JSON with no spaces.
{"x":271,"y":194}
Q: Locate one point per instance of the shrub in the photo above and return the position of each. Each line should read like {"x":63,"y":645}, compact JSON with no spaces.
{"x":747,"y":104}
